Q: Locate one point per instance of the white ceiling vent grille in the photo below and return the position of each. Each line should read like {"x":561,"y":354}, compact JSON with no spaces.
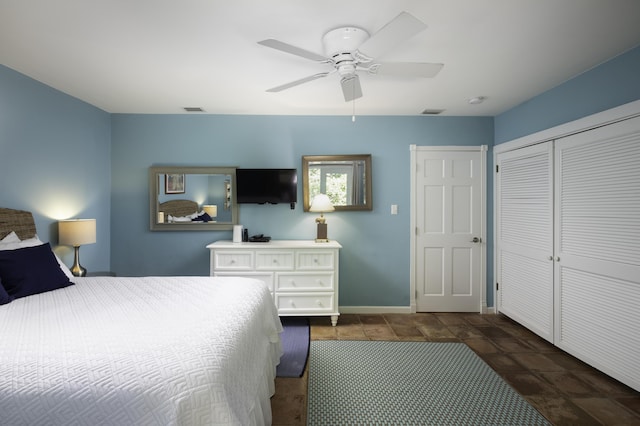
{"x":432,"y":111}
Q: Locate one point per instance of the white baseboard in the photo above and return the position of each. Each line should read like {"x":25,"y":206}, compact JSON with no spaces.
{"x":375,"y":310}
{"x":391,"y":310}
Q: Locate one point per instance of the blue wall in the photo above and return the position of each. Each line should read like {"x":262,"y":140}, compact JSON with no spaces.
{"x":55,"y":161}
{"x":374,"y":263}
{"x":611,"y":84}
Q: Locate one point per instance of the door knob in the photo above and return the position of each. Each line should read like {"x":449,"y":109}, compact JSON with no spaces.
{"x":476,"y":240}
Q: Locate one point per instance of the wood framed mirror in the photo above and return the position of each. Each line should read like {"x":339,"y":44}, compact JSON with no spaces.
{"x":179,"y":197}
{"x":346,"y":179}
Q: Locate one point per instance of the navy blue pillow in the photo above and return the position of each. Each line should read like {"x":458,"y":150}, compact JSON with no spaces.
{"x":31,"y":270}
{"x":204,"y":217}
{"x":4,"y":297}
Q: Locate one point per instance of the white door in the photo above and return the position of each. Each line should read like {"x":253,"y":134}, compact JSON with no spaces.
{"x":524,"y":236}
{"x":597,"y":249}
{"x":449,"y":228}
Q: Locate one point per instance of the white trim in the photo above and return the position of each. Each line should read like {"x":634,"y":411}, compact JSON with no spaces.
{"x":412,"y":228}
{"x":371,"y":310}
{"x":483,"y":229}
{"x":363,"y":310}
{"x":599,"y":119}
{"x":448,"y":148}
{"x":483,"y":149}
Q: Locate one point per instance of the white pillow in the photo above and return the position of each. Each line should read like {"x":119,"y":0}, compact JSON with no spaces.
{"x":32,"y":242}
{"x":12,"y":245}
{"x":12,"y":237}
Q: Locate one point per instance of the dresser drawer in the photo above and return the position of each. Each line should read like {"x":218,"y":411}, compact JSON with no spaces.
{"x":319,"y":281}
{"x":274,"y":260}
{"x":315,"y":259}
{"x":265,"y":277}
{"x":308,"y":302}
{"x":236,"y":260}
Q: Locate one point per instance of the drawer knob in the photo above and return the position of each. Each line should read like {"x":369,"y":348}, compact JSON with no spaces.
{"x":319,"y":303}
{"x":292,"y":283}
{"x":293,"y":305}
{"x":315,"y":260}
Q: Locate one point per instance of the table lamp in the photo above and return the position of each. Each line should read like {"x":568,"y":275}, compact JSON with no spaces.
{"x":321,"y":203}
{"x":211,"y":210}
{"x":77,"y":232}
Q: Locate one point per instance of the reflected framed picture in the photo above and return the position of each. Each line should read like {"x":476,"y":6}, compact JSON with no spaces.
{"x":174,"y":183}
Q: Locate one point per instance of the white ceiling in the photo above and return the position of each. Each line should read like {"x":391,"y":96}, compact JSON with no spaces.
{"x":158,"y":56}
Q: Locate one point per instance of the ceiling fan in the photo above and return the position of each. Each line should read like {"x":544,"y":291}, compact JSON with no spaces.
{"x":350,"y":50}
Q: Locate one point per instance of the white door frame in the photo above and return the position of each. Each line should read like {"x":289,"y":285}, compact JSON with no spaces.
{"x":483,"y":227}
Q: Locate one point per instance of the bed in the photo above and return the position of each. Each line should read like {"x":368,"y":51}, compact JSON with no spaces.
{"x":179,"y":208}
{"x":135,"y":350}
{"x":183,"y":211}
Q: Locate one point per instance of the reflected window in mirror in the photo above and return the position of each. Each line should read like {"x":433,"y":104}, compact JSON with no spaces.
{"x":345,"y":179}
{"x":192,"y":198}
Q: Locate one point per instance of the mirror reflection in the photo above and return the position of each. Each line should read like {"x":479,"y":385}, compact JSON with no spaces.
{"x":192,"y":198}
{"x":345,"y":179}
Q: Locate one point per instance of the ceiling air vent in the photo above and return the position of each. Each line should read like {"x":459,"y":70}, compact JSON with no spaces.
{"x":193,"y":109}
{"x":432,"y":111}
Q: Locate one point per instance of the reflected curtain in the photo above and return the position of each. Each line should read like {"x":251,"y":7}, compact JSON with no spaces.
{"x":357,"y":186}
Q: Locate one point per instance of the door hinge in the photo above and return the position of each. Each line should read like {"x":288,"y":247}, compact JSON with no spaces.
{"x":497,"y":168}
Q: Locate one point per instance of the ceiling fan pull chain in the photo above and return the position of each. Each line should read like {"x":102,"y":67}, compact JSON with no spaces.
{"x":353,"y":114}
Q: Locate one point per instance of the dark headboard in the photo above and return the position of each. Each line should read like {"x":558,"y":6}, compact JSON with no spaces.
{"x":20,"y":221}
{"x":179,"y":208}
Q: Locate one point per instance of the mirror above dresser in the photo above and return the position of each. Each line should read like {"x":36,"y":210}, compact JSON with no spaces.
{"x":345,"y":179}
{"x":192,"y":198}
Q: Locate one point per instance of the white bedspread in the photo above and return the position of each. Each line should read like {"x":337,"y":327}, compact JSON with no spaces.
{"x":140,"y":351}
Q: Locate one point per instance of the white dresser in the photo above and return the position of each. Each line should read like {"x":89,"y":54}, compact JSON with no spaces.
{"x":302,"y":275}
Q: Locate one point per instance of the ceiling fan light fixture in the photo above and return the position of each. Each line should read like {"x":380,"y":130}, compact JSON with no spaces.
{"x":343,"y":40}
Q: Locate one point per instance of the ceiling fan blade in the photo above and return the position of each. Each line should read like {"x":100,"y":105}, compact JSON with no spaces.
{"x":405,"y":69}
{"x":298,"y":82}
{"x":398,"y":29}
{"x":288,"y":48}
{"x":351,"y":87}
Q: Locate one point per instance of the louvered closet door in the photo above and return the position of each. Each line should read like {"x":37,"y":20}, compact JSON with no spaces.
{"x":525,"y":237}
{"x":598,"y":245}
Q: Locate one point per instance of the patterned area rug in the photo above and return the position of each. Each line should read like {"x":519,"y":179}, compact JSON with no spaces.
{"x":409,"y":383}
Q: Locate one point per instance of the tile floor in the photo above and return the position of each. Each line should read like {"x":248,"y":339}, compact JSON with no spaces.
{"x":565,"y":390}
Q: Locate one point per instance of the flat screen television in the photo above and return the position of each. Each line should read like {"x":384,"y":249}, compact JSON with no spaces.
{"x":267,"y":186}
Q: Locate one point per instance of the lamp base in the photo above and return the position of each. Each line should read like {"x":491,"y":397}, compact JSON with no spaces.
{"x":77,"y":270}
{"x":321,"y":236}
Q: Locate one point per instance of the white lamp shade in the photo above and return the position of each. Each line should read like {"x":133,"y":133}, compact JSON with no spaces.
{"x":77,"y":232}
{"x":211,"y":210}
{"x":321,"y":203}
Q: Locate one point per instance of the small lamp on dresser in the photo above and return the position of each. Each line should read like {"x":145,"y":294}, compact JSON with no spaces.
{"x":77,"y":232}
{"x":321,"y":203}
